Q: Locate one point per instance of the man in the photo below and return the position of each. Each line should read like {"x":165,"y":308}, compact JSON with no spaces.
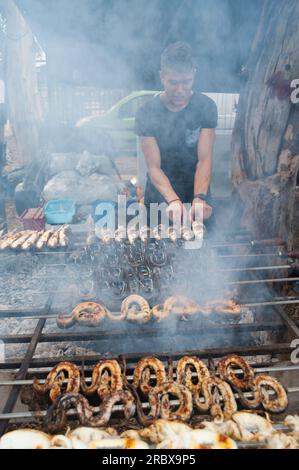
{"x":176,"y":130}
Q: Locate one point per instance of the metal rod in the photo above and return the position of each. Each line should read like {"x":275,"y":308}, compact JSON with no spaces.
{"x":183,"y":328}
{"x":14,"y":393}
{"x":255,"y":268}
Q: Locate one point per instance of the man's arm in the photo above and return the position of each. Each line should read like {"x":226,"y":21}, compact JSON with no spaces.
{"x":152,"y":157}
{"x":203,"y":172}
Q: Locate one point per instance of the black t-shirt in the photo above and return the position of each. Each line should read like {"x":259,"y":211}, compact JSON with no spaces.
{"x":177,"y":135}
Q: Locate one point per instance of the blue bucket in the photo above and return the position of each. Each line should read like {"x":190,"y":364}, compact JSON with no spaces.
{"x":60,"y":211}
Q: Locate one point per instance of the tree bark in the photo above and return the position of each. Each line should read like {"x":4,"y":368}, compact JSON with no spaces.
{"x":24,"y":107}
{"x":265,"y":143}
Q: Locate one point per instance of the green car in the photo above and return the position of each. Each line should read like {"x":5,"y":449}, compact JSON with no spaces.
{"x":115,"y":127}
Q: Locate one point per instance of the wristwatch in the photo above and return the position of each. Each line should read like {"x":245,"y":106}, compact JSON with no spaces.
{"x":202,"y":196}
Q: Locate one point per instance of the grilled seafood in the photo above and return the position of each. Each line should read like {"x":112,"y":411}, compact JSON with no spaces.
{"x":55,"y":379}
{"x":142,"y":372}
{"x":25,"y":439}
{"x":183,"y":394}
{"x":159,"y":313}
{"x":224,"y":306}
{"x":56,"y":415}
{"x":180,"y":305}
{"x":43,"y":240}
{"x":184,"y":372}
{"x":172,"y":234}
{"x":186,"y":234}
{"x":31,"y":240}
{"x":277,"y":404}
{"x":136,"y":309}
{"x":18,"y":242}
{"x":212,"y":390}
{"x":199,"y":229}
{"x":106,"y":379}
{"x":226,"y":371}
{"x":86,"y":313}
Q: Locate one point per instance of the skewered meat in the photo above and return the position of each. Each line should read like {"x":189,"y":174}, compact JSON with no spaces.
{"x":53,"y":240}
{"x":180,"y":305}
{"x":218,"y":398}
{"x":159,"y":312}
{"x":56,"y":378}
{"x":277,"y":404}
{"x":18,"y":242}
{"x":106,"y":379}
{"x":86,"y":313}
{"x":132,"y":234}
{"x":9,"y":238}
{"x":184,"y":396}
{"x":199,"y":229}
{"x":63,"y":240}
{"x":56,"y":415}
{"x":226,"y":371}
{"x":186,"y":234}
{"x":136,"y":309}
{"x":251,"y":426}
{"x":42,"y":241}
{"x":142,"y":374}
{"x":31,"y":240}
{"x":172,"y":234}
{"x":159,"y":232}
{"x":184,"y":372}
{"x":224,"y":306}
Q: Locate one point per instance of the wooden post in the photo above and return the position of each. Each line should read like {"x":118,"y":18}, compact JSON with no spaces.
{"x":265,"y":144}
{"x":23,"y":100}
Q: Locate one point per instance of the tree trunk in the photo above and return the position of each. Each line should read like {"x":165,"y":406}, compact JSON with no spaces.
{"x":24,"y":107}
{"x":265,"y":143}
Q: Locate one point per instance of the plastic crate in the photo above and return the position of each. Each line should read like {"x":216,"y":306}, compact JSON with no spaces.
{"x":33,"y":219}
{"x":60,"y":211}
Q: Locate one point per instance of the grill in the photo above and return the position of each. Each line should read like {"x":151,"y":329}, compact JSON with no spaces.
{"x":262,"y":272}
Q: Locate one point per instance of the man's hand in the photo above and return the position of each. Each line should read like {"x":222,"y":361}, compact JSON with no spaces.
{"x":177,"y":212}
{"x":200,"y":209}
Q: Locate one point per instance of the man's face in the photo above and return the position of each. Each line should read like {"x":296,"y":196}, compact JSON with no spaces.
{"x":177,"y":86}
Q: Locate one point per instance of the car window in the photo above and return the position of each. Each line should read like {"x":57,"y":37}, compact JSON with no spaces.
{"x":129,"y":109}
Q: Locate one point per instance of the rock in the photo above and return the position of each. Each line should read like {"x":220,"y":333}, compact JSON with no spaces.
{"x":89,"y":164}
{"x":83,"y":190}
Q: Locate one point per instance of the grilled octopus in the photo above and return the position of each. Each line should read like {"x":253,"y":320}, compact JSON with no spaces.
{"x":226,"y":371}
{"x":56,"y":378}
{"x":106,"y":379}
{"x":184,"y":372}
{"x":56,"y":416}
{"x":274,"y":405}
{"x":86,"y":313}
{"x":212,"y":390}
{"x":142,"y":374}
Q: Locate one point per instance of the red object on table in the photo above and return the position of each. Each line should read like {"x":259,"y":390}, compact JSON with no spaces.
{"x":33,"y":219}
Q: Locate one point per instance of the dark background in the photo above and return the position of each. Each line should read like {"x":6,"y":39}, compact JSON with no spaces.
{"x":117,"y":43}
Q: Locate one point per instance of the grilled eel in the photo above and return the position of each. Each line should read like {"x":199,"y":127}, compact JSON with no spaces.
{"x":277,"y":404}
{"x":106,"y":379}
{"x":212,"y":389}
{"x":226,"y":371}
{"x":142,"y":374}
{"x":56,"y":416}
{"x":85,"y":313}
{"x":184,"y":372}
{"x":55,"y":379}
